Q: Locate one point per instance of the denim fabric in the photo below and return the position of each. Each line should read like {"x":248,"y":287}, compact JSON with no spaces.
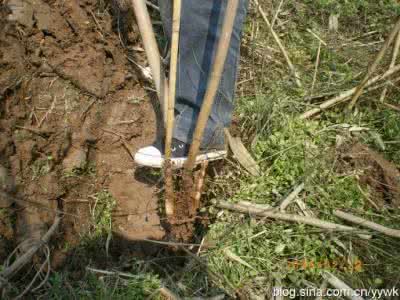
{"x":201,"y":22}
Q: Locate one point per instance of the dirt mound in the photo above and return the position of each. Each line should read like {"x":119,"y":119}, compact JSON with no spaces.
{"x":374,"y":172}
{"x":72,"y":112}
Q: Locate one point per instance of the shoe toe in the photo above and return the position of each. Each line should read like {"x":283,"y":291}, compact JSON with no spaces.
{"x":149,"y":156}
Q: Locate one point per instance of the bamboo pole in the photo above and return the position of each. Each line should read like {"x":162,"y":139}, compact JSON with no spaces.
{"x":371,"y":225}
{"x":250,"y":209}
{"x":396,"y":49}
{"x":213,"y":82}
{"x":176,"y":21}
{"x":375,"y":64}
{"x":152,"y":52}
{"x":345,"y":96}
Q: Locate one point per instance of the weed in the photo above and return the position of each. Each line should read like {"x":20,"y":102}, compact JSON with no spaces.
{"x":101,"y":213}
{"x":41,"y":167}
{"x":135,"y":100}
{"x":88,"y":170}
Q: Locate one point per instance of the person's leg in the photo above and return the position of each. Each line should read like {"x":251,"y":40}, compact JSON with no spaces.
{"x":201,"y":23}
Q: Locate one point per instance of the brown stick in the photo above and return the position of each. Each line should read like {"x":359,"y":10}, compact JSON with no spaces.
{"x":392,"y":64}
{"x":176,"y":21}
{"x":152,"y":52}
{"x":213,"y":83}
{"x":345,"y":96}
{"x":280,"y":45}
{"x":375,"y":64}
{"x":246,"y":209}
{"x":25,"y":258}
{"x":371,"y":225}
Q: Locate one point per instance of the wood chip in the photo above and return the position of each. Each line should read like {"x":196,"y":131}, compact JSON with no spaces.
{"x":242,"y":155}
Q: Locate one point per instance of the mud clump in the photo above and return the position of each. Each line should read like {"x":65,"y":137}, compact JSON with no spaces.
{"x":374,"y":171}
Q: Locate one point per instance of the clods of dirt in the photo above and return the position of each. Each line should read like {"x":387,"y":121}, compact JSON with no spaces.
{"x":72,"y":114}
{"x":374,"y":172}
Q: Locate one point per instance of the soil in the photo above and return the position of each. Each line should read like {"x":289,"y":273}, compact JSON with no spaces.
{"x":374,"y":172}
{"x":70,"y":100}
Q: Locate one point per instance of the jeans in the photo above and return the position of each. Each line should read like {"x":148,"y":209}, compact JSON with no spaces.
{"x":201,"y":22}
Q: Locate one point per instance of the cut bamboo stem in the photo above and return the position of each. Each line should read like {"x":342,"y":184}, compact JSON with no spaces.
{"x":110,"y":273}
{"x":396,"y":48}
{"x":290,"y":198}
{"x":152,"y":52}
{"x":316,"y":69}
{"x":280,"y":45}
{"x":199,"y":182}
{"x":248,"y":209}
{"x":347,"y":291}
{"x":345,"y":96}
{"x":368,"y":224}
{"x":213,"y":82}
{"x":375,"y":64}
{"x":176,"y":21}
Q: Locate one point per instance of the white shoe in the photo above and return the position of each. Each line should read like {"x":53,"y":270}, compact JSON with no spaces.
{"x":152,"y":156}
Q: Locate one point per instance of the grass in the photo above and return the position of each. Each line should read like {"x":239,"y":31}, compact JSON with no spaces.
{"x":41,"y":167}
{"x":140,"y":286}
{"x":101,"y":213}
{"x":89,"y":169}
{"x":290,"y":151}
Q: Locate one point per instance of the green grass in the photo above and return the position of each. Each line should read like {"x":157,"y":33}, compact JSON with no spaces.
{"x":290,"y":151}
{"x":101,"y":213}
{"x":140,"y":286}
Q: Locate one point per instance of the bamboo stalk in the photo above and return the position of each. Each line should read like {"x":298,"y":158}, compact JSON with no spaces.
{"x":349,"y":293}
{"x":199,"y":182}
{"x":248,"y":209}
{"x":316,"y":69}
{"x":110,"y":273}
{"x":176,"y":22}
{"x":152,"y":52}
{"x":371,"y":225}
{"x":291,"y":197}
{"x":345,"y":96}
{"x":213,"y":82}
{"x":396,"y":49}
{"x":280,"y":45}
{"x":375,"y":64}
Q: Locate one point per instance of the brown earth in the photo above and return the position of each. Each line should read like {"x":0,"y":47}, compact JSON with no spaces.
{"x":69,"y":99}
{"x":374,"y":172}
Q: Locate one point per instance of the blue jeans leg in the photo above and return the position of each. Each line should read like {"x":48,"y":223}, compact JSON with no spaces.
{"x":201,"y":22}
